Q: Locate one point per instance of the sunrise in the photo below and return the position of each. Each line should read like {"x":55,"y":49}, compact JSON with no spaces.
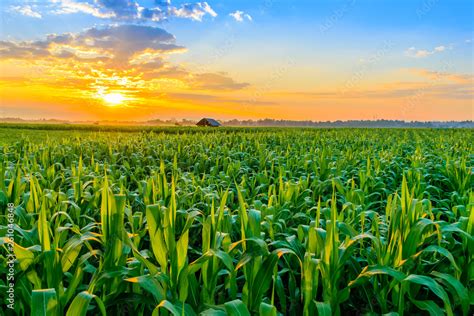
{"x":239,"y":158}
{"x":328,"y":61}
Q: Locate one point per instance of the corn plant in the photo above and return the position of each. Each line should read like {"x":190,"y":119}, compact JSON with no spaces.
{"x":184,"y":221}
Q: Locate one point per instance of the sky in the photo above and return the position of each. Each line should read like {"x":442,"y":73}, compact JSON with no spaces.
{"x":284,"y":59}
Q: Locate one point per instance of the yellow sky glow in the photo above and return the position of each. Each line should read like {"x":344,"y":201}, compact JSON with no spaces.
{"x":77,"y":82}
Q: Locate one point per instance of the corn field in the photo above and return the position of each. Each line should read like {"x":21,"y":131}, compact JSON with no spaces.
{"x":240,"y":222}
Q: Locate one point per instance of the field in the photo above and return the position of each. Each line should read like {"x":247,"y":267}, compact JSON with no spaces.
{"x":185,"y":221}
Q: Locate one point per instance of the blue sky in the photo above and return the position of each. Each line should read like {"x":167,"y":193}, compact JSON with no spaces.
{"x":280,"y":46}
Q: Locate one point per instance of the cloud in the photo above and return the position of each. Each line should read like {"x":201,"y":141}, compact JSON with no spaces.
{"x":444,"y":76}
{"x":122,"y":9}
{"x":125,"y":41}
{"x":438,"y":85}
{"x":424,"y":90}
{"x":117,"y":44}
{"x":239,"y":16}
{"x":398,"y":90}
{"x":216,"y":81}
{"x":412,"y":52}
{"x":153,"y":14}
{"x":207,"y":99}
{"x":422,"y":53}
{"x":71,"y":7}
{"x":132,"y":59}
{"x":193,"y":11}
{"x":22,"y":50}
{"x":131,"y":10}
{"x":26,"y":10}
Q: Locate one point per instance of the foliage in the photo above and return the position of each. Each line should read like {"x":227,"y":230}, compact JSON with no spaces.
{"x":241,"y":222}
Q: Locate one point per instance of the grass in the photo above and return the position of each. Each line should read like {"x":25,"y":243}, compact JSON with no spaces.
{"x":185,"y":221}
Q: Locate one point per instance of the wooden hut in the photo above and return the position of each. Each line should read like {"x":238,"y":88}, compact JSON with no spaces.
{"x":208,"y":122}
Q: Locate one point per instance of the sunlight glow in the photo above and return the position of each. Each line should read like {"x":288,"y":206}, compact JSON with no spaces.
{"x":113,"y":99}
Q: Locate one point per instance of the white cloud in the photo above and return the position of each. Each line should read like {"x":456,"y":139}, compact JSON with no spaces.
{"x":422,"y":53}
{"x":70,"y":7}
{"x":26,"y":10}
{"x":130,"y":10}
{"x":193,"y":11}
{"x":239,"y":16}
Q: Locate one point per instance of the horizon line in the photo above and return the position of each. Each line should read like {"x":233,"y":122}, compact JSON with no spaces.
{"x":190,"y":120}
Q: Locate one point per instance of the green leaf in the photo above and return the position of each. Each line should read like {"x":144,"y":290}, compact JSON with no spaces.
{"x":213,"y":312}
{"x":431,"y":307}
{"x":433,"y":286}
{"x":376,"y":270}
{"x":460,"y":291}
{"x":267,"y":310}
{"x":24,"y":256}
{"x":444,"y":252}
{"x":43,"y":227}
{"x":182,"y":249}
{"x":264,"y":276}
{"x":174,"y":310}
{"x":236,"y":308}
{"x":150,"y":284}
{"x":224,"y":257}
{"x":81,"y":302}
{"x":71,"y":252}
{"x":168,"y":306}
{"x":157,"y":238}
{"x":44,"y":303}
{"x":324,"y":309}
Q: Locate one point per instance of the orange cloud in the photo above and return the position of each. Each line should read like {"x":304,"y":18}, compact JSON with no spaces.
{"x":82,"y":68}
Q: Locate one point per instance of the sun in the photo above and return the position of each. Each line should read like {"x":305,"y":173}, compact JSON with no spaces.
{"x":113,"y":99}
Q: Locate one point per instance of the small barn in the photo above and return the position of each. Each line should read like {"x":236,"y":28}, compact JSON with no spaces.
{"x":208,"y":122}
